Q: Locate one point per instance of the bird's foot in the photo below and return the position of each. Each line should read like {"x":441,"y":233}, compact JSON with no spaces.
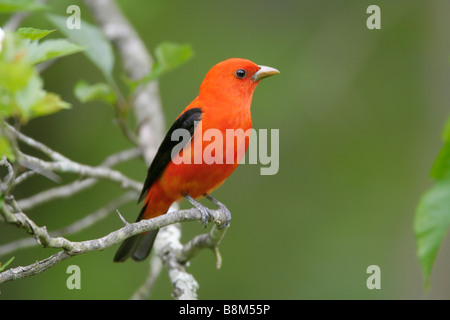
{"x":222,"y":208}
{"x":207,"y":215}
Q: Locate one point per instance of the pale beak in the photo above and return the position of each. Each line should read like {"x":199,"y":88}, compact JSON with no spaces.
{"x":264,"y":72}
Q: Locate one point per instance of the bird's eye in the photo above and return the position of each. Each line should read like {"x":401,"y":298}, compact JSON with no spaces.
{"x":241,"y":73}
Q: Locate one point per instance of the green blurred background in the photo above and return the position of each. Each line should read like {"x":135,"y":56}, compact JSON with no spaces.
{"x":359,"y":112}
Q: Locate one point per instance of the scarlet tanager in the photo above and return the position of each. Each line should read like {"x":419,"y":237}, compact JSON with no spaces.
{"x":223,"y":103}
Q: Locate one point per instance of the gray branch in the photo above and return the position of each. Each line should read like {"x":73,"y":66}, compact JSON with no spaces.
{"x":137,"y":62}
{"x":61,"y":163}
{"x":71,"y":248}
{"x":74,"y":187}
{"x":16,"y":19}
{"x":81,"y":169}
{"x":35,"y":144}
{"x":33,"y":269}
{"x":144,"y":290}
{"x":75,"y":227}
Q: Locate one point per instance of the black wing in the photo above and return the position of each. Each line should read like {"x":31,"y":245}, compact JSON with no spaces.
{"x":187,"y":120}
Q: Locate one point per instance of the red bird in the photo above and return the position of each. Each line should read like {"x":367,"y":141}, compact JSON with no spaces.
{"x":223,"y":103}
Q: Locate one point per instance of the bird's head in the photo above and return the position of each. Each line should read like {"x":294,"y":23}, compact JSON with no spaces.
{"x":234,"y":78}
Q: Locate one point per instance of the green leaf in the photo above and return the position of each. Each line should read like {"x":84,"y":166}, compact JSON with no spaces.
{"x":31,"y":100}
{"x":441,"y":166}
{"x":33,"y":34}
{"x":6,"y":106}
{"x":5,"y":150}
{"x":49,"y":104}
{"x":99,"y":91}
{"x":34,"y":102}
{"x":14,"y":76}
{"x":98,"y":48}
{"x":8,"y":6}
{"x":13,"y":47}
{"x":49,"y":49}
{"x":22,"y":91}
{"x":171,"y":55}
{"x":431,"y":223}
{"x":168,"y":56}
{"x":30,"y":95}
{"x":446,"y":131}
{"x":3,"y":266}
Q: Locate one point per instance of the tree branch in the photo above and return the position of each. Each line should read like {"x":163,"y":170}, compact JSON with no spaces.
{"x":81,"y":169}
{"x":170,"y":250}
{"x":77,"y":226}
{"x":61,"y":163}
{"x":76,"y":186}
{"x":137,"y":63}
{"x":34,"y":144}
{"x":16,"y":19}
{"x":168,"y":246}
{"x":144,"y":290}
{"x":209,"y":240}
{"x":33,"y":269}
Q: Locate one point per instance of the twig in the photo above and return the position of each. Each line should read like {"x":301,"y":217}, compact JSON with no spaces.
{"x":81,"y":169}
{"x":61,"y":163}
{"x":125,"y":222}
{"x":14,"y":22}
{"x":56,"y":156}
{"x":77,"y":226}
{"x":75,"y":248}
{"x":209,"y":240}
{"x":144,"y":291}
{"x":168,"y":245}
{"x":23,"y":177}
{"x":77,"y":186}
{"x":56,"y":193}
{"x":6,"y":185}
{"x":33,"y":269}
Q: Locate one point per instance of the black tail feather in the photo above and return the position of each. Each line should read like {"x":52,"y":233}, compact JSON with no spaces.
{"x":137,"y":247}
